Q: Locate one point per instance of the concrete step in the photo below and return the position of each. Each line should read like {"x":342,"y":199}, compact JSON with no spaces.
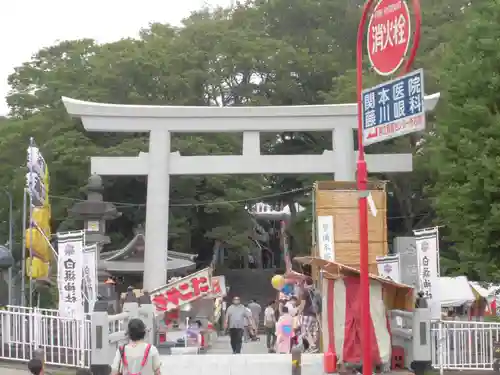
{"x":241,"y":364}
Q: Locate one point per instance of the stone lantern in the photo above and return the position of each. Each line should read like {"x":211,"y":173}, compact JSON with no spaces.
{"x":94,"y":212}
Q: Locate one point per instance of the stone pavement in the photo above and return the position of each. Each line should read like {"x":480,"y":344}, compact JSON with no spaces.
{"x":22,"y":369}
{"x":13,"y":371}
{"x":223,"y":346}
{"x":254,"y":360}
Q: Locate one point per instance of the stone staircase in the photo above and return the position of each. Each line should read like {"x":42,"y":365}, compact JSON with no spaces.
{"x":250,"y":284}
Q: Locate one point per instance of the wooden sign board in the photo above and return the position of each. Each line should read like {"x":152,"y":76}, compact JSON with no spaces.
{"x":339,"y":200}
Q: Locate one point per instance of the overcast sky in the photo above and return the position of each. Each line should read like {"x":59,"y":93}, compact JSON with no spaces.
{"x":28,"y":25}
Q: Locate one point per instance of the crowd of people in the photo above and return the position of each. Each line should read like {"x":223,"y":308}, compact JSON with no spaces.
{"x":289,"y":321}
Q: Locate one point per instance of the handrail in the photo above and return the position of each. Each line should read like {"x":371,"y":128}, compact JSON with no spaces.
{"x":402,"y":313}
{"x":406,"y":333}
{"x":120,"y":316}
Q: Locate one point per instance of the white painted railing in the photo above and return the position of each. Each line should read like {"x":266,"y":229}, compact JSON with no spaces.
{"x":110,"y":331}
{"x":68,"y":342}
{"x":65,"y":342}
{"x":463,"y":345}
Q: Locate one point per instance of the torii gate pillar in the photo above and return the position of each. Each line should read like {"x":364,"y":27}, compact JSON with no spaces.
{"x":159,"y":163}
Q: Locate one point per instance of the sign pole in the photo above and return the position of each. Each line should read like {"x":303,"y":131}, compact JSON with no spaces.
{"x":388,"y":62}
{"x":362,"y":177}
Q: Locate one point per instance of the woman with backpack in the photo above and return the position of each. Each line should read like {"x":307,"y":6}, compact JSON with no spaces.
{"x":137,"y":357}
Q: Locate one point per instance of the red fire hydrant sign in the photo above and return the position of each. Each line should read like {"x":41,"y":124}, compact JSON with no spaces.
{"x":388,"y":35}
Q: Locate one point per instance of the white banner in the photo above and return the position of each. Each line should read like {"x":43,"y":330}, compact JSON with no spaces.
{"x":427,"y":243}
{"x":70,"y":273}
{"x":218,"y":287}
{"x":90,"y":275}
{"x":389,"y":267}
{"x":37,"y":169}
{"x":326,"y":238}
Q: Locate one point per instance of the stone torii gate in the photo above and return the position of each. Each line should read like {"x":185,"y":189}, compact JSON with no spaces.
{"x":160,"y":163}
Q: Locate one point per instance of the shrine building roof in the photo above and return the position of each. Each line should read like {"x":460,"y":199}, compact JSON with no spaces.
{"x":130,"y":259}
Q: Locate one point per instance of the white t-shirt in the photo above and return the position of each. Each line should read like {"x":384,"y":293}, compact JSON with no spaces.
{"x":292,"y":310}
{"x":134,"y":353}
{"x":248,"y":321}
{"x":269,"y":317}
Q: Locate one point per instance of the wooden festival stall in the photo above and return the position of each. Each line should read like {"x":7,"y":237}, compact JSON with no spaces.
{"x":340,"y":315}
{"x":336,"y":203}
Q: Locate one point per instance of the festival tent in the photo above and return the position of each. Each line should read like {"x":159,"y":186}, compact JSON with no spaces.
{"x":455,"y":291}
{"x":489,"y":292}
{"x":341,"y":321}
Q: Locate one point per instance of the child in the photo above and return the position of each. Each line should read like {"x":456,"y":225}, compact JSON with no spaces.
{"x":284,"y":329}
{"x":35,"y":366}
{"x":297,"y":339}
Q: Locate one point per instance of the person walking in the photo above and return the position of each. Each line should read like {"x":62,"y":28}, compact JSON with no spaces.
{"x":236,"y":314}
{"x":284,"y":331}
{"x":137,"y":357}
{"x":308,"y":317}
{"x":270,"y":326}
{"x":256,"y":310}
{"x":247,"y":333}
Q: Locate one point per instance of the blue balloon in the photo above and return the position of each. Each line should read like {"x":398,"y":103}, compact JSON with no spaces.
{"x":287,"y":289}
{"x":287,"y":330}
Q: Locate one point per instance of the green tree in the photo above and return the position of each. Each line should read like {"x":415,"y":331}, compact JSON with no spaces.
{"x":260,"y":53}
{"x":463,"y":149}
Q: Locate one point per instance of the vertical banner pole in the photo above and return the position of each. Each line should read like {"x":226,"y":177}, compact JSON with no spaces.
{"x":361,"y":179}
{"x":438,"y":259}
{"x":11,"y":229}
{"x":31,"y":237}
{"x":82,"y":320}
{"x":31,"y":251}
{"x":23,"y":252}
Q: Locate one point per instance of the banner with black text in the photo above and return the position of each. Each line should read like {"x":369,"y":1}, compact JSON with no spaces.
{"x":90,"y":275}
{"x":427,"y":243}
{"x":70,"y":273}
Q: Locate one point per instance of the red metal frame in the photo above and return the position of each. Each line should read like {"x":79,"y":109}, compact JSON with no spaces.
{"x":362,"y":179}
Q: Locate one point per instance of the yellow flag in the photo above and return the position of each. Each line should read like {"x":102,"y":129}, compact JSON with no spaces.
{"x":36,"y":268}
{"x":36,"y":243}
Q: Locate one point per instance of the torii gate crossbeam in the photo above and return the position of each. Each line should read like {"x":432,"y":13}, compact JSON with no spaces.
{"x":160,"y":163}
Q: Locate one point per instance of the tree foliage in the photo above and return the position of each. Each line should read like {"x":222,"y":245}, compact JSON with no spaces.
{"x":463,"y":151}
{"x":277,"y":52}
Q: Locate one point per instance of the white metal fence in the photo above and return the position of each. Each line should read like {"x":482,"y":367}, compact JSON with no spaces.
{"x":463,"y":345}
{"x":455,"y":345}
{"x":65,"y":342}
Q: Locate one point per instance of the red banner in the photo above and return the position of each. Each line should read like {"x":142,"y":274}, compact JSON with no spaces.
{"x":218,"y":287}
{"x":182,"y":291}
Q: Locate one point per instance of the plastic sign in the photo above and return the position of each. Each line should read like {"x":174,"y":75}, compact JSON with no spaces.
{"x":388,"y":35}
{"x":218,"y":287}
{"x":182,"y":291}
{"x":393,"y":108}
